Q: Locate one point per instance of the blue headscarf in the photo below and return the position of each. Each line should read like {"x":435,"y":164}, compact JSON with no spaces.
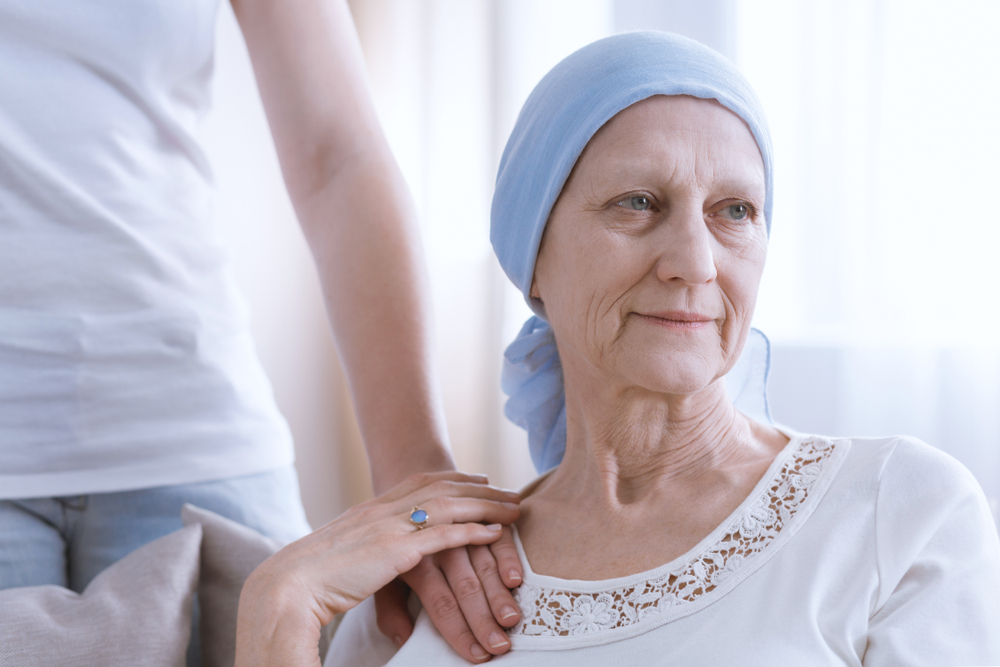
{"x":567,"y":107}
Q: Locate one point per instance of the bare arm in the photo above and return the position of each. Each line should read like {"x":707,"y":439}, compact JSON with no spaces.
{"x":358,"y":217}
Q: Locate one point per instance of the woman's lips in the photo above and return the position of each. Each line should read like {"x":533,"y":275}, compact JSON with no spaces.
{"x":677,"y":319}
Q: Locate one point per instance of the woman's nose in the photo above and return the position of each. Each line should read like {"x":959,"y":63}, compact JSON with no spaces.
{"x":685,"y":249}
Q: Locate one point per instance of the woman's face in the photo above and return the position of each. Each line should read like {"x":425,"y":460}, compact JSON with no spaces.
{"x":650,"y":262}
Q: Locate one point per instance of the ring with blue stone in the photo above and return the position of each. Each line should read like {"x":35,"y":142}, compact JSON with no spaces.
{"x":418,"y":518}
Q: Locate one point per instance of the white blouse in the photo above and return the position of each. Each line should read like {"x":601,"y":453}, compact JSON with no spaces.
{"x":863,"y":551}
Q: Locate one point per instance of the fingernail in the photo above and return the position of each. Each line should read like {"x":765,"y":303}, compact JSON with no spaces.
{"x":478,"y":652}
{"x":398,"y":641}
{"x":497,"y":640}
{"x":514,"y":575}
{"x":507,"y":612}
{"x":494,"y":526}
{"x":511,"y":506}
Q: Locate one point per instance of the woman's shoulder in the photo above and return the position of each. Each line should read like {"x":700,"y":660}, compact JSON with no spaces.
{"x":894,"y":481}
{"x":909,"y":463}
{"x":912,"y":503}
{"x":935,"y":550}
{"x":918,"y":480}
{"x":908,"y":488}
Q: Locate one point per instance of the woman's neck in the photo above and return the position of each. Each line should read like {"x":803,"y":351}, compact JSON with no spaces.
{"x":625,"y":447}
{"x":635,"y":461}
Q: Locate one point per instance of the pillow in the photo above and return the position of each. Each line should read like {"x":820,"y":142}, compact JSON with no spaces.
{"x":136,"y":612}
{"x":230,"y":552}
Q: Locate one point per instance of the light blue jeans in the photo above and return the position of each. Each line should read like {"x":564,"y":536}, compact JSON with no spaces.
{"x":67,"y":541}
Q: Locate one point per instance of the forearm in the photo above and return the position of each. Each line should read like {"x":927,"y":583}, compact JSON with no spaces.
{"x":363,"y":236}
{"x":357,"y":215}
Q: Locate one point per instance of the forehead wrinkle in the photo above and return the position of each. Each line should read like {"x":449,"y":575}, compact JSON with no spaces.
{"x":731,"y":156}
{"x":651,"y":141}
{"x":713,"y":163}
{"x":661,"y":162}
{"x":735,"y":170}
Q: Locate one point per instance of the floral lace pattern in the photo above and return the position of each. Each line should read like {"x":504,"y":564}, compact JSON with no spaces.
{"x":558,"y":613}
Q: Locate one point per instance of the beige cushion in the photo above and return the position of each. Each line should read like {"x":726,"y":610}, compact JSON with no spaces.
{"x":230,"y":552}
{"x":136,"y":612}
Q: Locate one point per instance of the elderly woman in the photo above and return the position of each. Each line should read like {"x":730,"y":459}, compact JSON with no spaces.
{"x":633,"y":208}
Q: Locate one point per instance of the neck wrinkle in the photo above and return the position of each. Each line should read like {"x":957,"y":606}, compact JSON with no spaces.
{"x":627,"y":451}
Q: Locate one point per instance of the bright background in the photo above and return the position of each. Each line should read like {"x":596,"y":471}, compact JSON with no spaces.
{"x":882,"y":291}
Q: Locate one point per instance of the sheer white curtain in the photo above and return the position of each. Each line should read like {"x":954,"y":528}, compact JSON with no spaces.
{"x":882,"y":292}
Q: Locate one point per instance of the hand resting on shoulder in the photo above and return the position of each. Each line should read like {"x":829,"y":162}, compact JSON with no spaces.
{"x":293,"y":594}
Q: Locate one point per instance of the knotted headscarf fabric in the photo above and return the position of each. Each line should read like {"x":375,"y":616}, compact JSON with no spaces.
{"x":567,"y":107}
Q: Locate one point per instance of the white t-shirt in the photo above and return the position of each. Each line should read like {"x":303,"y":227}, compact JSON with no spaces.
{"x":125,"y":356}
{"x":859,"y":551}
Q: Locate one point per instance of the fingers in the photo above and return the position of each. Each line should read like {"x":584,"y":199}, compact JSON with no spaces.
{"x":501,"y":602}
{"x":471,"y":595}
{"x":391,"y":614}
{"x":450,"y":509}
{"x":449,"y":489}
{"x":421,"y":486}
{"x":422,"y":479}
{"x":429,"y":583}
{"x":449,"y":536}
{"x":508,"y":562}
{"x":446,"y":497}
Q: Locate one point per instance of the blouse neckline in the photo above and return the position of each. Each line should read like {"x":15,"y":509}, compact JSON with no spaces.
{"x":570,"y":613}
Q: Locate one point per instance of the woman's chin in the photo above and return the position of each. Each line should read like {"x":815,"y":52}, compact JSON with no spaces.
{"x":672,"y":371}
{"x":673,"y":378}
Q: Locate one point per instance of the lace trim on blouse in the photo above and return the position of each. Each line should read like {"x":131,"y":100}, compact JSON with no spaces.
{"x":550,"y":612}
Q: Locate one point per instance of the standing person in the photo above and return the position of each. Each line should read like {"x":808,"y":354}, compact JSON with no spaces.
{"x":128,"y":380}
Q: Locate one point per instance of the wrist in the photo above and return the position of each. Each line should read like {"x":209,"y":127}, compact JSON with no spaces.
{"x":391,"y":470}
{"x":276,"y":626}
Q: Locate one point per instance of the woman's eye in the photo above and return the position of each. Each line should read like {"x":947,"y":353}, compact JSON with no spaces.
{"x":636,"y":203}
{"x":737,"y":211}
